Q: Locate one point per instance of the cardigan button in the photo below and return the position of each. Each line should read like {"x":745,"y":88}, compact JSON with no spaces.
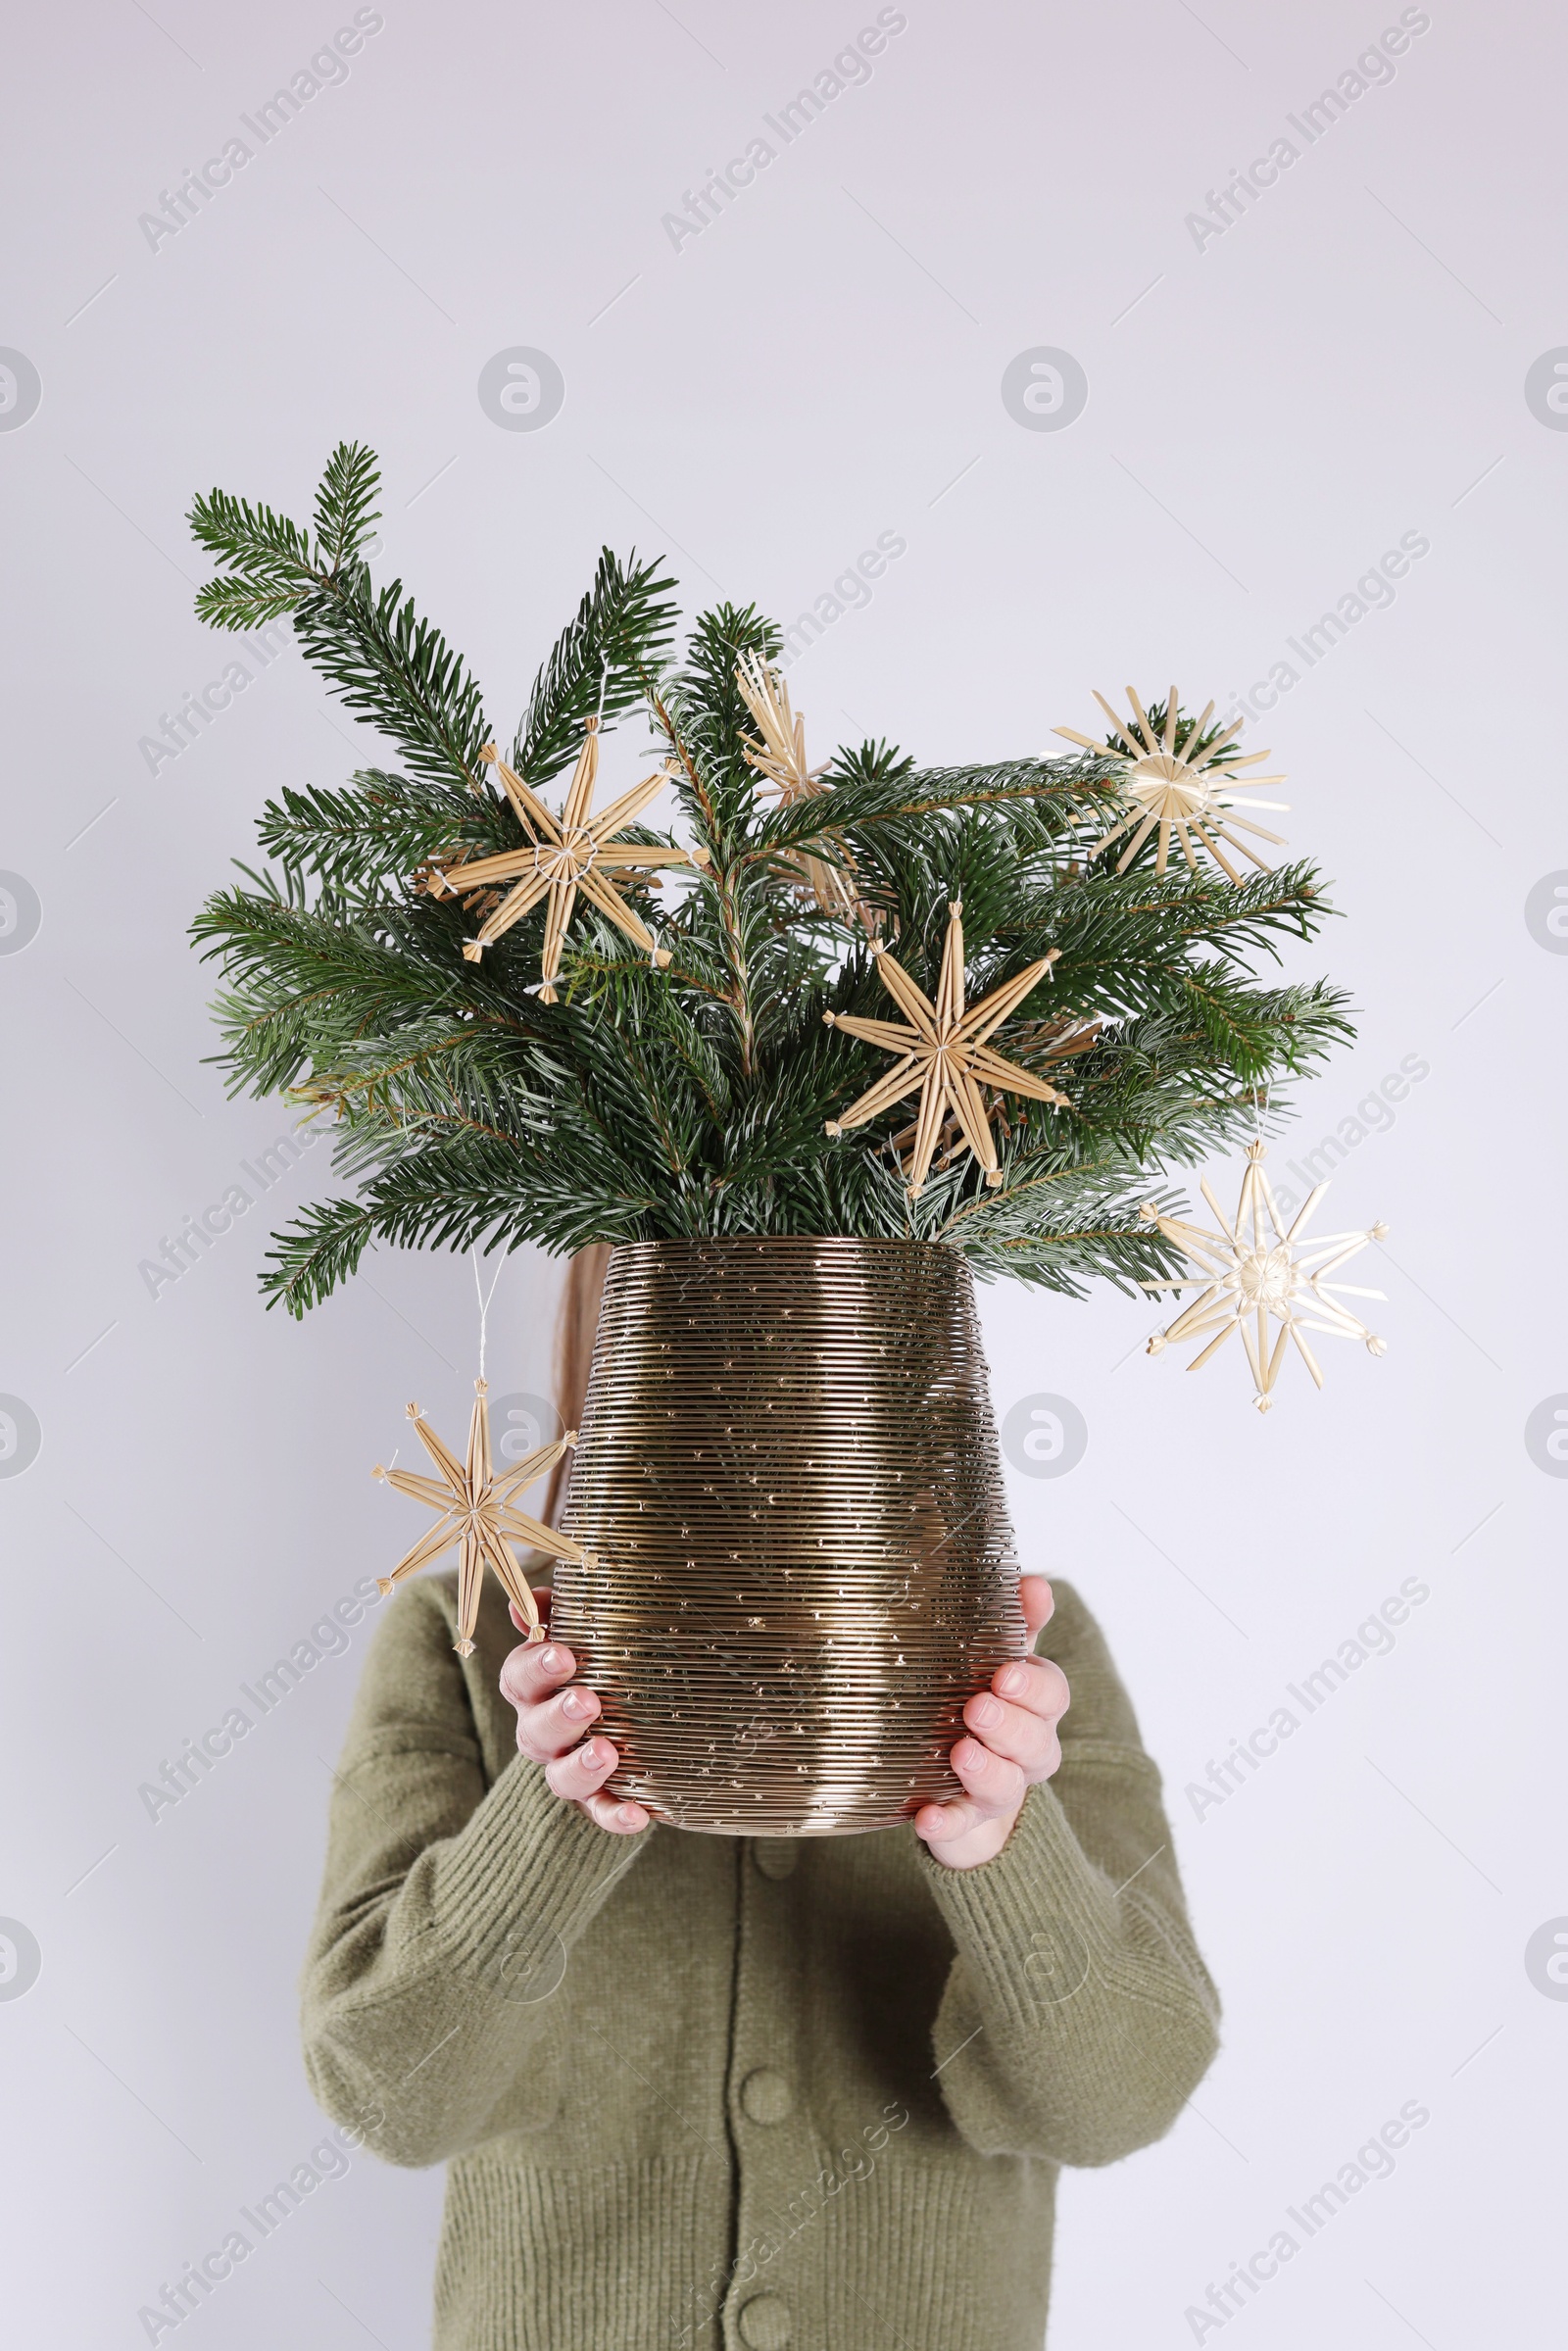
{"x":765,"y":2096}
{"x":766,"y":2324}
{"x":776,"y":1856}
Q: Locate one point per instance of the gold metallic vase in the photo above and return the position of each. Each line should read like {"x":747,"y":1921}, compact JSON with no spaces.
{"x":789,"y":1481}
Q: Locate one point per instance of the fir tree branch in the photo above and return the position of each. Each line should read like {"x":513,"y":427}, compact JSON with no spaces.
{"x":398,"y":673}
{"x":387,"y":665}
{"x":619,"y":636}
{"x":344,"y":515}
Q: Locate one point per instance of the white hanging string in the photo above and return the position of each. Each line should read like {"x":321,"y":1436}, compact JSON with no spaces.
{"x":484,"y":1296}
{"x":603,"y":684}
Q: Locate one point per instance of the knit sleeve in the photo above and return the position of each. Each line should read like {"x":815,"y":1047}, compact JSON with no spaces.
{"x":448,"y":1912}
{"x":1078,"y":2017}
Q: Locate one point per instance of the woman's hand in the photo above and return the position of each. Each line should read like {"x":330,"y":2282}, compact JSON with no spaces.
{"x":553,"y":1713}
{"x":1012,"y":1744}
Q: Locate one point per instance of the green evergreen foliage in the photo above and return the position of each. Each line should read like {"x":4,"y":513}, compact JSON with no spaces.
{"x":692,"y":1100}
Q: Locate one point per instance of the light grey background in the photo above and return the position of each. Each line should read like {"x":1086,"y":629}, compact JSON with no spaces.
{"x":1269,"y":409}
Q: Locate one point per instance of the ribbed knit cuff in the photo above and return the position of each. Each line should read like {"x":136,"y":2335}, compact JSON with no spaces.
{"x":515,"y":1891}
{"x":1028,"y":1919}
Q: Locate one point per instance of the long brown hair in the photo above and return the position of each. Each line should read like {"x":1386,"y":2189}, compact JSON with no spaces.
{"x":575,"y":1326}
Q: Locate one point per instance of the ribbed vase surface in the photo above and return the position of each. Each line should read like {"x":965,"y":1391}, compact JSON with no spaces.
{"x":789,"y":1477}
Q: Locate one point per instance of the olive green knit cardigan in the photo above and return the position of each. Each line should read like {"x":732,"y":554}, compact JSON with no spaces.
{"x":701,"y":2091}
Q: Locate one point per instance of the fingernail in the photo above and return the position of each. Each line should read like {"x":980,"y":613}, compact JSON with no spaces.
{"x":626,"y":1814}
{"x":1013,"y":1679}
{"x":576,"y":1704}
{"x":591,"y":1756}
{"x":986,"y":1711}
{"x":550,"y":1658}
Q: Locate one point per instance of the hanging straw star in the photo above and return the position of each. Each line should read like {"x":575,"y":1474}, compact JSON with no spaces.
{"x":575,"y":851}
{"x":1254,"y":1272}
{"x":1195,"y":794}
{"x":783,"y":759}
{"x":478,"y":1515}
{"x":944,"y":1055}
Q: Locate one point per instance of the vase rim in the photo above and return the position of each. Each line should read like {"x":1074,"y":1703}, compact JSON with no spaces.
{"x":783,"y":1241}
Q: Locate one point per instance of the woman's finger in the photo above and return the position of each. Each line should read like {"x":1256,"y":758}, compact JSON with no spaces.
{"x":939,"y":1824}
{"x":1038,"y":1601}
{"x":1037,"y":1683}
{"x":533,"y":1669}
{"x":547,"y":1731}
{"x":989,"y":1780}
{"x":584,"y":1770}
{"x":1023,"y":1737}
{"x":617,"y":1814}
{"x":542,"y":1598}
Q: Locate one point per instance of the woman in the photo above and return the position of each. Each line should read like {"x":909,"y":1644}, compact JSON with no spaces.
{"x":700,"y":2090}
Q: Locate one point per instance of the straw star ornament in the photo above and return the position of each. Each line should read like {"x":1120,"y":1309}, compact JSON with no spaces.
{"x":575,"y":853}
{"x":476,"y":1513}
{"x":1196,"y":793}
{"x":943,"y":1054}
{"x":1256,"y":1272}
{"x":782,"y":760}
